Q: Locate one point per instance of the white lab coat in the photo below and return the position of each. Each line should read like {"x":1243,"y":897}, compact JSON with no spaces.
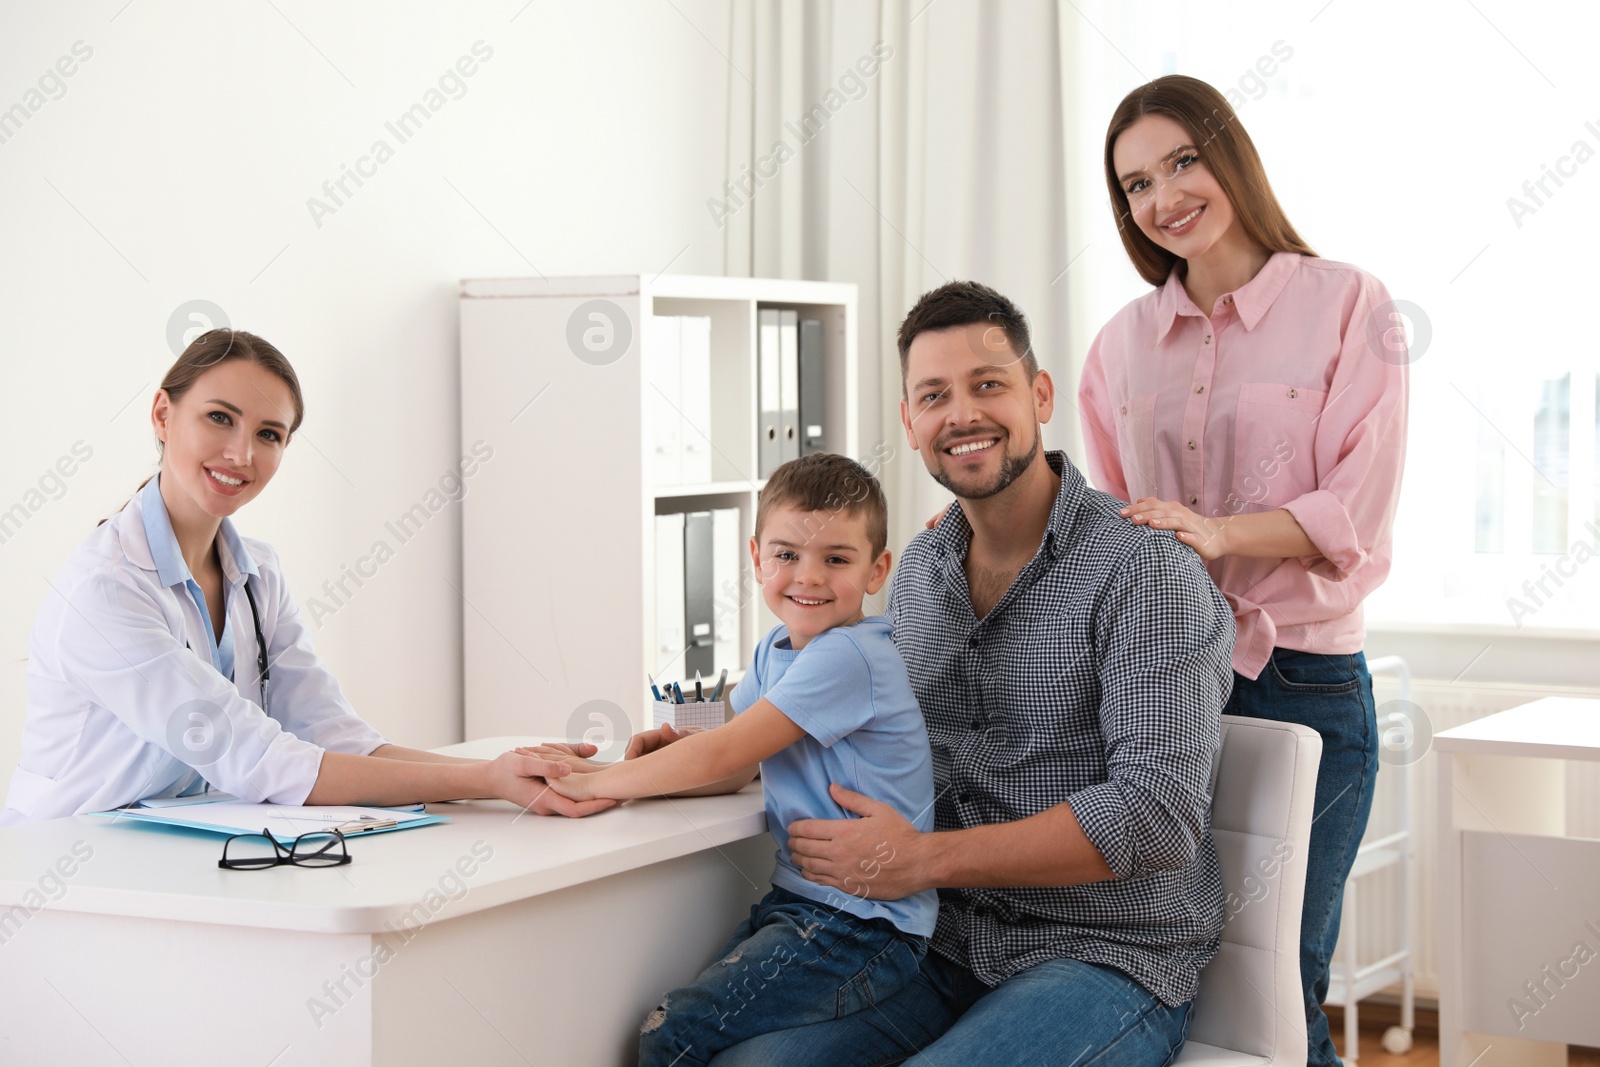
{"x":119,"y":709}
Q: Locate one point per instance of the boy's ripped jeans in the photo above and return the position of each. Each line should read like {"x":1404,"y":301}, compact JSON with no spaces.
{"x":792,"y":962}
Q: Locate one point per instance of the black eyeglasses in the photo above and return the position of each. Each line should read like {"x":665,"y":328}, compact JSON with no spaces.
{"x":253,"y":852}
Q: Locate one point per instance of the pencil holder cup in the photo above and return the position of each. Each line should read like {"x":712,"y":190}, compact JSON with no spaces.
{"x":703,"y":714}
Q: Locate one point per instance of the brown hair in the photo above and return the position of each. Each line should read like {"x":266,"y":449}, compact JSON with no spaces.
{"x":1227,"y":152}
{"x":824,"y":481}
{"x":215,"y":347}
{"x":962,"y":304}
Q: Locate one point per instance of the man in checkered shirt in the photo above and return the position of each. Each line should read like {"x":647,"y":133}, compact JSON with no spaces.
{"x":1072,"y":668}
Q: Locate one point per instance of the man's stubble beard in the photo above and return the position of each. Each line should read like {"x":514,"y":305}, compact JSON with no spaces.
{"x":1010,"y":470}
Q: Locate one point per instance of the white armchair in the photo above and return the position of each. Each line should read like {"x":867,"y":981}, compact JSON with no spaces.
{"x":1250,"y":1009}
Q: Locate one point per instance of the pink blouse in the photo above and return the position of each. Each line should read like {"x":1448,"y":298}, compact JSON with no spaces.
{"x":1291,"y":395}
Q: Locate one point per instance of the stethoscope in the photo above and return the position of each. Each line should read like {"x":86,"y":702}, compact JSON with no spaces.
{"x":263,"y":666}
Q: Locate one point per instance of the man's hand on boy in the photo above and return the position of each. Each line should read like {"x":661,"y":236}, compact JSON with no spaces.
{"x":649,"y":740}
{"x":873,"y":857}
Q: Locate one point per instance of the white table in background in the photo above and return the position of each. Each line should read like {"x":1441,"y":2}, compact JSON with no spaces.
{"x":1516,"y":894}
{"x":564,"y":938}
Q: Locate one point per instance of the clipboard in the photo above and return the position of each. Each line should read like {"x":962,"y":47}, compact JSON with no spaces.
{"x":283,"y":821}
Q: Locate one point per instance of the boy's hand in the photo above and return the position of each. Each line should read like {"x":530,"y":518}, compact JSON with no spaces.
{"x":650,"y":740}
{"x":578,"y":787}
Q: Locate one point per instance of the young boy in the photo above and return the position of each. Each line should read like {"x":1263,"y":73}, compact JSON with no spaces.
{"x":826,"y":700}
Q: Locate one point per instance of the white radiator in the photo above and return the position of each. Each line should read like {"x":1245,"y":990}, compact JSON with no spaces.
{"x":1446,"y":706}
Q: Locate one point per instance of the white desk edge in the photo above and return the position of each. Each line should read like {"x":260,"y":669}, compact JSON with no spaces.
{"x":180,"y":879}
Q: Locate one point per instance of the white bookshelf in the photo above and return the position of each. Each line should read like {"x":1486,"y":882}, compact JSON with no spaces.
{"x":558,"y":528}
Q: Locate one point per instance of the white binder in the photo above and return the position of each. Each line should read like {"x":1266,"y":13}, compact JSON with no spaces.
{"x":663,"y":399}
{"x":668,"y":658}
{"x":695,"y":425}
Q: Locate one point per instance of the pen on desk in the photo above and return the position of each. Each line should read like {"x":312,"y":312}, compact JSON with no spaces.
{"x":677,"y":694}
{"x":654,"y":688}
{"x":699,"y":690}
{"x":716,"y":694}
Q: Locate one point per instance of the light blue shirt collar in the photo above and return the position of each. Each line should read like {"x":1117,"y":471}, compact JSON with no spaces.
{"x":170,"y":567}
{"x":171,"y":570}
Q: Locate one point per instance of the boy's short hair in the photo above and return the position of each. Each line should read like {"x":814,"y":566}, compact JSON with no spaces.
{"x":824,"y":481}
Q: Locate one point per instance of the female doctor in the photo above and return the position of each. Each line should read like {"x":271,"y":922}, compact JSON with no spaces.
{"x":169,"y":658}
{"x":1253,"y":403}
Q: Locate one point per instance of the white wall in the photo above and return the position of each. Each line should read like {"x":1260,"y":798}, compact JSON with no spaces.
{"x":177,"y":165}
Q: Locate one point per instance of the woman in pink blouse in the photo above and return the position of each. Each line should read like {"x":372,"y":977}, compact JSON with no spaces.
{"x":1254,"y":403}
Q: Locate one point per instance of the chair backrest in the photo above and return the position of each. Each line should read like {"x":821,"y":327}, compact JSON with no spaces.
{"x":1263,"y":792}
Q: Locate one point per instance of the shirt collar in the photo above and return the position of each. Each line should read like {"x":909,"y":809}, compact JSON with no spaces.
{"x":1068,"y":500}
{"x":1168,"y":302}
{"x":1251,"y":300}
{"x":954,"y":533}
{"x":168,"y":558}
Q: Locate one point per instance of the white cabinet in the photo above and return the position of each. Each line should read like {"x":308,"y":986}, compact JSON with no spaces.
{"x":566,"y":380}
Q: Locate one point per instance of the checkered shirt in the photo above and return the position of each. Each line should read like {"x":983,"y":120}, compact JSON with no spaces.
{"x":1097,"y":680}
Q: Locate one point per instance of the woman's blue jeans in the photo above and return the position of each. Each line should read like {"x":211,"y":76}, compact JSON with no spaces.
{"x":1332,"y":694}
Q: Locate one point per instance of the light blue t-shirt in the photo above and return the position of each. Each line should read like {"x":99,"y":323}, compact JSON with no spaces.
{"x":848,"y":690}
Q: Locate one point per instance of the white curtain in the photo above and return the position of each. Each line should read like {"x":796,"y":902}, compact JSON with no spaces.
{"x":947,"y":161}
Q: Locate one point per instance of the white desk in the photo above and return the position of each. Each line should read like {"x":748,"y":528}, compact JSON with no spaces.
{"x":552,"y":949}
{"x":1516,"y":894}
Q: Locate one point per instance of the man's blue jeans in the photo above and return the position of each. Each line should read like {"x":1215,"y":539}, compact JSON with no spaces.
{"x":792,"y":962}
{"x":1332,"y":694}
{"x":1065,"y":1013}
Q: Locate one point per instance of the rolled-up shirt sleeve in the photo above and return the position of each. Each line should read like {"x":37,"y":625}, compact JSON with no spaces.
{"x":116,"y":647}
{"x":1359,"y":447}
{"x":1164,"y":649}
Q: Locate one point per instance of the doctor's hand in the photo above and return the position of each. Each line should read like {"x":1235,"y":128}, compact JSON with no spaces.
{"x":559,"y":750}
{"x":523,"y":780}
{"x":1205,"y":536}
{"x":875,"y":856}
{"x":650,"y":740}
{"x":559,"y":754}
